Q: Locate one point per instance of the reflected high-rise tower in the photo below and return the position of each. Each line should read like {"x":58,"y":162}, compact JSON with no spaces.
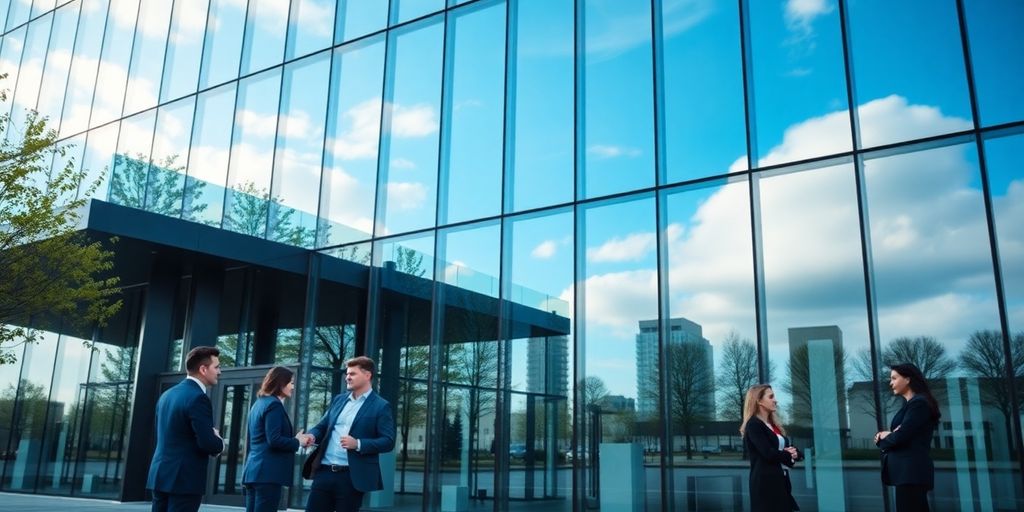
{"x":680,"y":331}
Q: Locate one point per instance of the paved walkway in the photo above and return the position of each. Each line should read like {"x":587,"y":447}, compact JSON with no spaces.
{"x":37,"y":503}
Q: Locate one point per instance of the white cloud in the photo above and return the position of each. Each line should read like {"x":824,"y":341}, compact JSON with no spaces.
{"x":605,"y":152}
{"x":544,"y":250}
{"x":413,"y":121}
{"x":256,"y":123}
{"x":402,"y":163}
{"x":892,"y":119}
{"x":406,"y":195}
{"x":631,"y":248}
{"x":618,"y":299}
{"x":297,"y":125}
{"x":361,"y":134}
{"x":800,"y":14}
{"x":315,"y":17}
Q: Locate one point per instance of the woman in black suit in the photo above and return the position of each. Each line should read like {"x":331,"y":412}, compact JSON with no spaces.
{"x":272,"y":445}
{"x":770,"y":452}
{"x":905,"y":460}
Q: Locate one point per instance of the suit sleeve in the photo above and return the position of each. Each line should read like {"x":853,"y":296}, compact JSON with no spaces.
{"x":385,"y":430}
{"x":275,"y":425}
{"x":320,"y":429}
{"x":200,"y":416}
{"x":766,"y":447}
{"x":916,"y":419}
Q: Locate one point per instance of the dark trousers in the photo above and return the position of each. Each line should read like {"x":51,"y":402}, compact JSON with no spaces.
{"x":911,"y":498}
{"x":167,"y":502}
{"x":333,"y":492}
{"x":262,"y":497}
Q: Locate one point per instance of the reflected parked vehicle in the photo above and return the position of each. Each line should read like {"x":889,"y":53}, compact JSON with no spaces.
{"x":517,"y":451}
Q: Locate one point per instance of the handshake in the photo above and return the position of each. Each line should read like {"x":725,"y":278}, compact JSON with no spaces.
{"x":305,"y":440}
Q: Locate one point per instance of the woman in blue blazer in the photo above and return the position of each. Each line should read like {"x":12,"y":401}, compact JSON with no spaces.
{"x":906,"y":463}
{"x":272,"y":445}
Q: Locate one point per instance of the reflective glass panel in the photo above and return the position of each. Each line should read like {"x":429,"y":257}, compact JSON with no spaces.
{"x":357,"y":18}
{"x":711,"y":343}
{"x":41,"y":6}
{"x":264,"y":35}
{"x":223,"y":47}
{"x":405,"y":10}
{"x":300,"y":142}
{"x":1006,"y":184}
{"x":108,"y":402}
{"x":311,"y":26}
{"x":63,"y":443}
{"x":82,"y":78}
{"x":617,"y":262}
{"x":403,"y":316}
{"x":131,"y":163}
{"x":937,"y":310}
{"x":10,"y":60}
{"x":474,"y":105}
{"x":252,"y":154}
{"x":992,"y":27}
{"x":817,"y":328}
{"x":97,"y":161}
{"x":537,"y":276}
{"x":702,"y":80}
{"x":184,"y":49}
{"x":616,"y":89}
{"x":18,"y":12}
{"x":349,"y":180}
{"x":910,"y":83}
{"x":166,"y":181}
{"x":31,"y":416}
{"x":468,"y":265}
{"x":408,"y":161}
{"x":58,"y":63}
{"x":208,"y":158}
{"x":31,"y":70}
{"x":799,"y":106}
{"x":147,"y":56}
{"x":115,"y":59}
{"x":541,"y":74}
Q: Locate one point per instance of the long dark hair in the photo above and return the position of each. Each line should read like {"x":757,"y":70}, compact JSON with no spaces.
{"x":919,"y":386}
{"x":277,"y":378}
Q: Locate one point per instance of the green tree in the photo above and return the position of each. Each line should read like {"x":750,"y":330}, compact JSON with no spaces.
{"x":155,"y":186}
{"x":49,"y":267}
{"x":253,"y":212}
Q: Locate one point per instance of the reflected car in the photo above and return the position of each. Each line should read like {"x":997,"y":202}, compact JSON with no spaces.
{"x":517,"y":450}
{"x":709,"y":449}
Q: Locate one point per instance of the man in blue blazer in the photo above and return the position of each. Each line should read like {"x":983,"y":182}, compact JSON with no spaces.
{"x":358,"y":426}
{"x":185,"y":436}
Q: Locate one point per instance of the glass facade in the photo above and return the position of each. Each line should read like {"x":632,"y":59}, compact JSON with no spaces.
{"x":571,"y":232}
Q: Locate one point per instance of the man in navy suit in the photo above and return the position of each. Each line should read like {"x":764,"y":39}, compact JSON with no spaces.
{"x":185,"y":436}
{"x":357,"y":427}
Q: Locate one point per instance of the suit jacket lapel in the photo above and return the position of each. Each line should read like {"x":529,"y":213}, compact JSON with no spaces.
{"x":362,"y":410}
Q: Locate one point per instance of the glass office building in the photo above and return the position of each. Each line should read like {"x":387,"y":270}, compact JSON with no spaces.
{"x":570,"y":232}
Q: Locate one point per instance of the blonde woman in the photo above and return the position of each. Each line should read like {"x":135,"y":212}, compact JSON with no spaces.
{"x":770,"y":452}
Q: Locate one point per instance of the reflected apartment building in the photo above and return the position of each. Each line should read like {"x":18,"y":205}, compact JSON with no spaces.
{"x":571,"y":233}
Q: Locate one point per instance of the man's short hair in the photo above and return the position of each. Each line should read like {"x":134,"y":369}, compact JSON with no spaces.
{"x":364,"y":363}
{"x":200,"y":356}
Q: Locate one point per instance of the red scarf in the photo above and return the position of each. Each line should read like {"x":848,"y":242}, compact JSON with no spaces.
{"x":776,"y":429}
